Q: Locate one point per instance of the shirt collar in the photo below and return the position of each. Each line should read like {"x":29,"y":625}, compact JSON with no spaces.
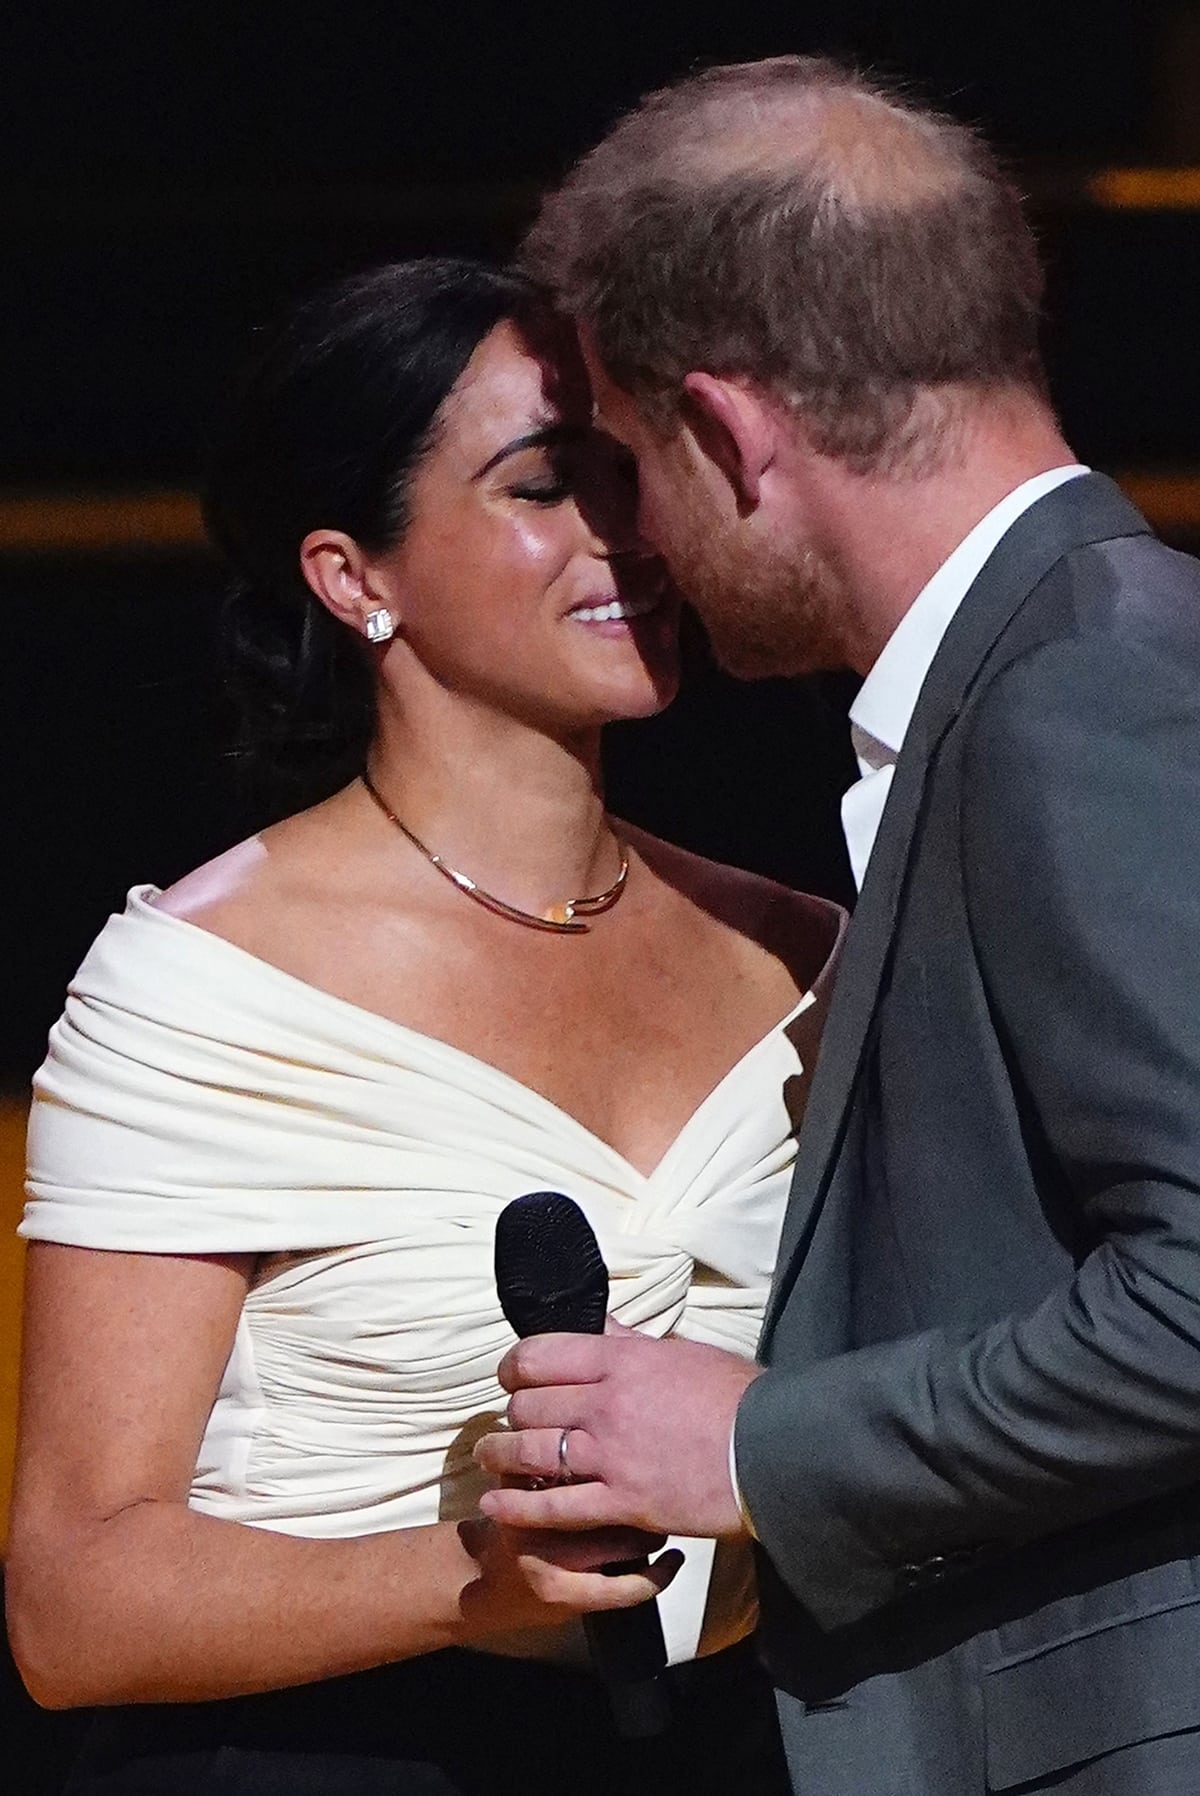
{"x":882,"y":711}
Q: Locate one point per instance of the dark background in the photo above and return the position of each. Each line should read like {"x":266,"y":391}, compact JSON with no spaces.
{"x":172,"y":173}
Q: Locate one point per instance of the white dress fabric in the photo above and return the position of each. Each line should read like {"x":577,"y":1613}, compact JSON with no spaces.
{"x":196,"y":1099}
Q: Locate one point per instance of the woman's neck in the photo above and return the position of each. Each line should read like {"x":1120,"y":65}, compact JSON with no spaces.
{"x":518,"y":811}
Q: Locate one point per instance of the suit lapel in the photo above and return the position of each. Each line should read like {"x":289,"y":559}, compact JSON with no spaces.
{"x":1085,"y":510}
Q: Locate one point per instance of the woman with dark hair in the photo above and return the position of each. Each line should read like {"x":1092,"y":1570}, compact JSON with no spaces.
{"x":289,"y":1097}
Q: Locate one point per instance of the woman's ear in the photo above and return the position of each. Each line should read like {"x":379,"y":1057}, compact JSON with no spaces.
{"x":334,"y":568}
{"x":734,"y":428}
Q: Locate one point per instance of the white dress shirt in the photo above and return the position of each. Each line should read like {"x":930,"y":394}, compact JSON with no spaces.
{"x":882,"y":712}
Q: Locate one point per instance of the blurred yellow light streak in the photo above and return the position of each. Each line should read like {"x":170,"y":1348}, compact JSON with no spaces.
{"x":1146,"y":189}
{"x":79,"y":523}
{"x":1170,"y":501}
{"x":168,"y":522}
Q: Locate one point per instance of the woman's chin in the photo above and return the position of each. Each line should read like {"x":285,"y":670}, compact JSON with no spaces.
{"x":657,"y":689}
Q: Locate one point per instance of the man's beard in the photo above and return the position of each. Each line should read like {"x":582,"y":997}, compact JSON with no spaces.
{"x":765,"y":616}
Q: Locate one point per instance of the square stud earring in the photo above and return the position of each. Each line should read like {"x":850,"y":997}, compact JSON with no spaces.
{"x":379,"y":626}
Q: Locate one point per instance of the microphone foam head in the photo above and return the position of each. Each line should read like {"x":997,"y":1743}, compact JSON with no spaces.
{"x":550,"y":1273}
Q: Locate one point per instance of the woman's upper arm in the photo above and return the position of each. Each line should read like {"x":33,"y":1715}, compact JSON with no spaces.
{"x":122,"y":1357}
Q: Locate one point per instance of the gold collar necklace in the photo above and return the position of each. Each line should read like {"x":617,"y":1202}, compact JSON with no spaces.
{"x":561,"y":919}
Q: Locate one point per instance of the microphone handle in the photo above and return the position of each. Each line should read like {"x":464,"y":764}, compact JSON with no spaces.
{"x":551,"y":1277}
{"x":635,"y":1650}
{"x":628,"y":1651}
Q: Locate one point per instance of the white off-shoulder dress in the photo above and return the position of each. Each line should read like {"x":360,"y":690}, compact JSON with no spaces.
{"x":196,"y":1099}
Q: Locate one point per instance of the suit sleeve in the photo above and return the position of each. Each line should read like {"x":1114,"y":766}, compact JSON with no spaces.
{"x":1081,"y":856}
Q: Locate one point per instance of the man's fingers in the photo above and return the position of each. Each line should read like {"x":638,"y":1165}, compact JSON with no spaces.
{"x":554,"y":1406}
{"x":537,"y":1453}
{"x":553,"y":1359}
{"x":525,"y":1452}
{"x":572,"y":1507}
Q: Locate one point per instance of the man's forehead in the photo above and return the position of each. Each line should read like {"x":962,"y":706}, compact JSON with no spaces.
{"x":591,"y":358}
{"x":612,"y":407}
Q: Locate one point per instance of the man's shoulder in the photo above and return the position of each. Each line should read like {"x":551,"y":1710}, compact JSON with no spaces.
{"x":1136,"y":590}
{"x":1112,"y":623}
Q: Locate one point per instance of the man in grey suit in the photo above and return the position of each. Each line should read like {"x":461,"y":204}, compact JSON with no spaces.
{"x":972,"y":1454}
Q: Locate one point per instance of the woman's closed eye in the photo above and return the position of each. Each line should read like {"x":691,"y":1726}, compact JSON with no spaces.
{"x":548,"y":489}
{"x":591,"y":465}
{"x":548,"y":475}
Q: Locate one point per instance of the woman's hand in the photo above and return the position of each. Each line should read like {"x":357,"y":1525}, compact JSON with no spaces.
{"x":531,"y":1578}
{"x":119,"y":1591}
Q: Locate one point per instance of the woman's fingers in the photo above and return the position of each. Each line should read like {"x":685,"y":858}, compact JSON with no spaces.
{"x":586,"y":1591}
{"x":604,"y":1568}
{"x":589,"y":1552}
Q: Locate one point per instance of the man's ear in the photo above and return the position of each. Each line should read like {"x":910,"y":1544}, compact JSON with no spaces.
{"x":735,"y":428}
{"x":335,"y":569}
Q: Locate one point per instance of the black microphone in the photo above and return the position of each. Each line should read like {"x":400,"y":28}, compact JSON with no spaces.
{"x":552,"y":1279}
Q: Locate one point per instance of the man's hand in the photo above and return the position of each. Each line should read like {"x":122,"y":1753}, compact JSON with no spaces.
{"x":650,"y":1424}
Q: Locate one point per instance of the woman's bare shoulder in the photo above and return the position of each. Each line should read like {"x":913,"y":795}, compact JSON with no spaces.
{"x":259,"y":883}
{"x":223,"y":880}
{"x":799,"y":928}
{"x":706,"y":882}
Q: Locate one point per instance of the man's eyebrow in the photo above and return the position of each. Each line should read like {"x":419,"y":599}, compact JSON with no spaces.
{"x":547,"y":436}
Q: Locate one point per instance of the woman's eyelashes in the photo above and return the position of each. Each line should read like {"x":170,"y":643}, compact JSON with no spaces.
{"x":576,"y":470}
{"x":544,"y":477}
{"x":550,"y":490}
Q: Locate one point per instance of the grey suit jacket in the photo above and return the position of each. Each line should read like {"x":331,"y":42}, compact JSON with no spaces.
{"x":974,"y":1460}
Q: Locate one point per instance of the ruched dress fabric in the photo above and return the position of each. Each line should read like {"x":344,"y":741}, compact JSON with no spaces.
{"x":196,"y":1099}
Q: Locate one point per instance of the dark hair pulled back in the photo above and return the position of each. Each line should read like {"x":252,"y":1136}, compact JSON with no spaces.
{"x":326,"y":431}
